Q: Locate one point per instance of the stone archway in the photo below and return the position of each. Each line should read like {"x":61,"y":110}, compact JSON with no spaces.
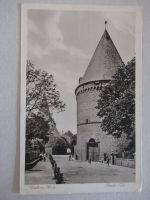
{"x":93,"y":150}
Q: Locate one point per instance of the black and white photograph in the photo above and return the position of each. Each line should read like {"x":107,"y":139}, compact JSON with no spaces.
{"x":80,"y":98}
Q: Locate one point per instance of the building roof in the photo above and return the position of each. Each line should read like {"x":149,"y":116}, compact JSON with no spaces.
{"x":104,"y":61}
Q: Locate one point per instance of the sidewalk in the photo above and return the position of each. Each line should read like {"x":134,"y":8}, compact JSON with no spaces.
{"x":42,"y":173}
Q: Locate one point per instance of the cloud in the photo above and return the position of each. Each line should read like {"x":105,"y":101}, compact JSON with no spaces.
{"x":55,"y":35}
{"x":32,"y":26}
{"x":52,"y":36}
{"x":36,"y":50}
{"x":77,"y":52}
{"x":124,"y":22}
{"x":56,"y":39}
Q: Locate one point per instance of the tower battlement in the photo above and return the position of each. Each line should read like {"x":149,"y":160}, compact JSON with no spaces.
{"x":90,"y":86}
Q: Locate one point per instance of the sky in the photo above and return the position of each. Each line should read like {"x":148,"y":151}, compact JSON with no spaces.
{"x":63,"y":42}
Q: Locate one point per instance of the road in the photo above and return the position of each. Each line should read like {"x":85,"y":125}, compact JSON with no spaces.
{"x":83,"y":172}
{"x":79,"y":172}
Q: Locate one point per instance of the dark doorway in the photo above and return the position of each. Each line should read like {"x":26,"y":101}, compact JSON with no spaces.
{"x":92,"y":150}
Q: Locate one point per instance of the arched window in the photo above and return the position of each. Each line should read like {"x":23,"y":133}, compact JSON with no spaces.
{"x":92,"y":140}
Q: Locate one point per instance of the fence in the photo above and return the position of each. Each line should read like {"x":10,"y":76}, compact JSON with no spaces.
{"x":125,"y":162}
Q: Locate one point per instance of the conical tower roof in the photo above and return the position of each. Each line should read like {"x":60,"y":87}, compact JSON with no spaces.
{"x":104,"y":61}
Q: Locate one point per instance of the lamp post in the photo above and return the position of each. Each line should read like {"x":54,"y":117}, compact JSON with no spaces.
{"x":98,"y":141}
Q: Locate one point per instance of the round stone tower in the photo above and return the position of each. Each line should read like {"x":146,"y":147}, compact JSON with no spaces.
{"x":92,"y":142}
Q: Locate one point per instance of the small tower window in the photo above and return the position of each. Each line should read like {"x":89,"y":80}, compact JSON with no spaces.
{"x":96,"y":83}
{"x":86,"y":120}
{"x":80,"y":79}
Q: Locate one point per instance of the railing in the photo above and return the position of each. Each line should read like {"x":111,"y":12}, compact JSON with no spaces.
{"x":125,"y":162}
{"x":31,"y":153}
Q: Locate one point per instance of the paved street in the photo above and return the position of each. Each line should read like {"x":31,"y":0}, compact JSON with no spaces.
{"x":78,"y":172}
{"x":83,"y":172}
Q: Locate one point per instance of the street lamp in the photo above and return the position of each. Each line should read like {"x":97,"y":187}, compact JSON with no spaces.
{"x":98,"y":141}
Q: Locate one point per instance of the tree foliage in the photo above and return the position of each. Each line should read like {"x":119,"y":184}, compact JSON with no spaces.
{"x":60,"y":146}
{"x":116,"y":105}
{"x":40,"y":85}
{"x":122,"y":144}
{"x":74,"y":140}
{"x":37,"y":126}
{"x":42,"y":99}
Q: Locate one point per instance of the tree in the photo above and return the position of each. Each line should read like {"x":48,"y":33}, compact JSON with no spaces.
{"x":40,"y":85}
{"x":37,"y":126}
{"x":74,"y":140}
{"x":68,"y":135}
{"x":116,"y":105}
{"x":122,"y":145}
{"x":60,"y":146}
{"x":42,"y":98}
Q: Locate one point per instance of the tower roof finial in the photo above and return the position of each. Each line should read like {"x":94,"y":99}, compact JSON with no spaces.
{"x":105,"y":24}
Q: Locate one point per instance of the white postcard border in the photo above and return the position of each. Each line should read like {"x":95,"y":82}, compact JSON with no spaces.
{"x":87,"y":187}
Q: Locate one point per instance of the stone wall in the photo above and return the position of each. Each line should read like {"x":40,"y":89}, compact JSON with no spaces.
{"x":87,"y":96}
{"x":86,"y":132}
{"x":88,"y":123}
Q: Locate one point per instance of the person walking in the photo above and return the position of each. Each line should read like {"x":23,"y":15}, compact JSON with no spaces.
{"x":69,"y":152}
{"x":41,"y":156}
{"x":44,"y":157}
{"x":108,"y":160}
{"x":69,"y":156}
{"x":90,"y":160}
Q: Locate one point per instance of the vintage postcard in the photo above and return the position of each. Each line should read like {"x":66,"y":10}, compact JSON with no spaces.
{"x":81,"y":68}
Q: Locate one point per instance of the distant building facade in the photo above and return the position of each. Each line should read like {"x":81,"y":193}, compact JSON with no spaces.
{"x":92,"y":142}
